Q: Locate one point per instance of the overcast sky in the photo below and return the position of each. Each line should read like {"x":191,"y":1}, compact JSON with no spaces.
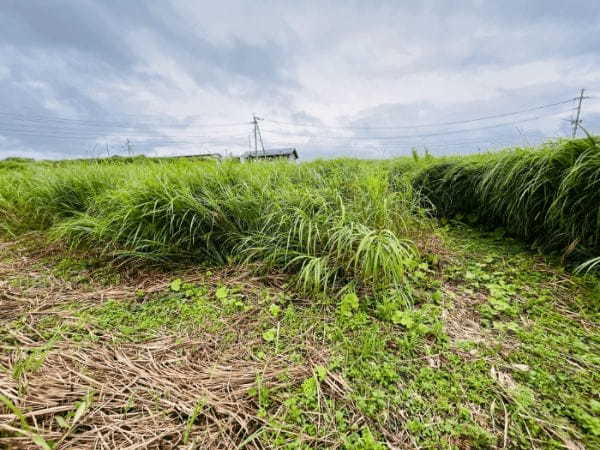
{"x":365,"y":78}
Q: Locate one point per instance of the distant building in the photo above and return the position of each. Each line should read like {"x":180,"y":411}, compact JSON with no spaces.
{"x":274,"y":153}
{"x":198,"y":155}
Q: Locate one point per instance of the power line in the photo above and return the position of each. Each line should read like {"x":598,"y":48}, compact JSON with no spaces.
{"x":174,"y":139}
{"x":457,"y":122}
{"x":496,"y":142}
{"x":36,"y":119}
{"x":29,"y":122}
{"x":160,"y":118}
{"x":80,"y":130}
{"x":408,"y":136}
{"x":84,"y":133}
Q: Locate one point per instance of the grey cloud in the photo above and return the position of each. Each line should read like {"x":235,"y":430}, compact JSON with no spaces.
{"x":60,"y":27}
{"x":67,"y":51}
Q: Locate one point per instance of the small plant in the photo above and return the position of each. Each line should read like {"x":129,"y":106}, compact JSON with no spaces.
{"x":270,"y":335}
{"x":274,"y":310}
{"x":230,"y":299}
{"x":349,"y":304}
{"x":192,"y":419}
{"x":363,"y":441}
{"x":175,"y":285}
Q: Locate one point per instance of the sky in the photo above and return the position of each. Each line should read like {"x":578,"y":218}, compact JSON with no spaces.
{"x":371,"y":79}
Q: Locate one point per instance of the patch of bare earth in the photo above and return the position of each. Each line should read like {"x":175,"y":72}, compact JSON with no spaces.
{"x":462,"y":322}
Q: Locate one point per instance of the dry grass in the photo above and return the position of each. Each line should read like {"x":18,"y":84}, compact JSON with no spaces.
{"x":22,"y":261}
{"x":187,"y":390}
{"x":143,"y":396}
{"x":27,"y":284}
{"x":461,"y":322}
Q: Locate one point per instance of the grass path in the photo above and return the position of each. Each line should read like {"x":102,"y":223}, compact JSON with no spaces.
{"x":496,"y":349}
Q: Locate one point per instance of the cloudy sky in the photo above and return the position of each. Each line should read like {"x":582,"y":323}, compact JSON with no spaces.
{"x":332,"y":78}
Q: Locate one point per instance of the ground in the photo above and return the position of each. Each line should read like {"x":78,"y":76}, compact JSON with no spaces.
{"x":495,"y":347}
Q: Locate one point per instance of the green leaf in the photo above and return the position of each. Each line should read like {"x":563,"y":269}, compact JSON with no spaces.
{"x":349,"y":304}
{"x":16,"y":411}
{"x":321,"y":372}
{"x":40,"y":441}
{"x":403,"y":318}
{"x":82,"y":408}
{"x":270,"y":335}
{"x":222,"y":293}
{"x":175,"y":285}
{"x":60,"y":420}
{"x":36,"y":438}
{"x":274,"y":310}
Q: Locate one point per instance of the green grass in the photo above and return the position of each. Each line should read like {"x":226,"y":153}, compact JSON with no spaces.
{"x":547,"y":196}
{"x":331,"y":223}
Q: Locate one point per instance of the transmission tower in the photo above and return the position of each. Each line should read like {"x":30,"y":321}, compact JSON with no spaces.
{"x":257,"y":135}
{"x":577,"y":121}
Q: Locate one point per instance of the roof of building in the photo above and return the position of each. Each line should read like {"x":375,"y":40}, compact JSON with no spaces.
{"x":197,"y":155}
{"x":272,"y":153}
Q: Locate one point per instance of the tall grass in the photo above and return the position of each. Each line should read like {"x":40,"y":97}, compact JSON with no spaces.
{"x":548,"y":195}
{"x":329,"y":223}
{"x":575,"y":209}
{"x":36,"y":198}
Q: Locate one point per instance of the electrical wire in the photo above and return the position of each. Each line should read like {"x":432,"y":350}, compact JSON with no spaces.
{"x":424,"y":135}
{"x":427,"y":125}
{"x":163,"y":133}
{"x":38,"y":118}
{"x":90,"y":134}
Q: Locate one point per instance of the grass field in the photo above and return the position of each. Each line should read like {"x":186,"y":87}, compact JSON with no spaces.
{"x":332,"y":304}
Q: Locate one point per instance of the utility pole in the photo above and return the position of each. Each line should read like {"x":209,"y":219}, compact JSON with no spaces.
{"x":257,"y":135}
{"x":577,"y":120}
{"x":129,"y":147}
